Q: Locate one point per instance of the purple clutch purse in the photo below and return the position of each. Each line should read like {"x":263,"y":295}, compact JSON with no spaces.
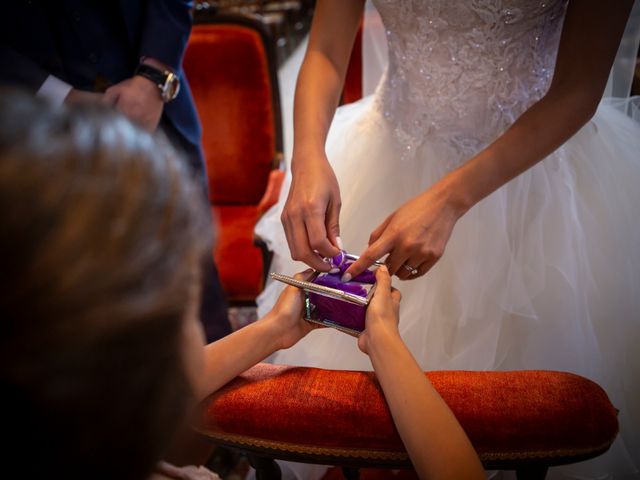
{"x":333,"y":303}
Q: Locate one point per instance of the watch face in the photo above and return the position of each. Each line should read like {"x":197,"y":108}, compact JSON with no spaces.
{"x":171,"y":87}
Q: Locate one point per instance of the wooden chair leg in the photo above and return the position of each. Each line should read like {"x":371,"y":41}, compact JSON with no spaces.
{"x":266,"y":468}
{"x":351,"y":473}
{"x":531,"y":473}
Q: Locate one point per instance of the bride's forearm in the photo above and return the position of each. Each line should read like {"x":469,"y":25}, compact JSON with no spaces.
{"x":321,"y":77}
{"x":316,"y":99}
{"x":590,"y":38}
{"x":537,"y":133}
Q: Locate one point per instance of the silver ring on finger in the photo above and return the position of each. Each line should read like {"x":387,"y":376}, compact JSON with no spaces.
{"x":410,"y":269}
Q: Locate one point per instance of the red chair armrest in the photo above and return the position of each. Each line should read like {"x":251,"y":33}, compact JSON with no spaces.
{"x":272,"y":192}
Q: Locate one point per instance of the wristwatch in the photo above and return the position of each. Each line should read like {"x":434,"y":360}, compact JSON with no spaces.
{"x":168,"y":82}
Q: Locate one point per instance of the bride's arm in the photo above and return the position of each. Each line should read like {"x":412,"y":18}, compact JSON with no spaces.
{"x":310,"y":216}
{"x":416,"y":233}
{"x":589,"y":42}
{"x":323,"y":70}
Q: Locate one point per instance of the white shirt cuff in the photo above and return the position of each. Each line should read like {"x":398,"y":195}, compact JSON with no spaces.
{"x":54,"y":90}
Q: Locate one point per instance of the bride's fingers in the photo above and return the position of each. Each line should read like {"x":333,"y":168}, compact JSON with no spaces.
{"x":318,"y":239}
{"x":299,"y":246}
{"x":332,"y":224}
{"x":412,"y":263}
{"x":375,"y":251}
{"x":421,"y":267}
{"x":395,"y":260}
{"x":403,"y":272}
{"x":425,"y":267}
{"x":375,"y":235}
{"x":290,"y":236}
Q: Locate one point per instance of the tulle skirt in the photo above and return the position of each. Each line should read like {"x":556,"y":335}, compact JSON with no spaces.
{"x":542,"y":274}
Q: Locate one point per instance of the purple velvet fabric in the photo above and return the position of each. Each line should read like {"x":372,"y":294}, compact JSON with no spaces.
{"x":340,"y":261}
{"x":338,"y":312}
{"x":365,"y":277}
{"x":332,"y":280}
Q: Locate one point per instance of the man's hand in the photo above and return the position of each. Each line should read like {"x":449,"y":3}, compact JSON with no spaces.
{"x":76,"y":96}
{"x":139,"y":99}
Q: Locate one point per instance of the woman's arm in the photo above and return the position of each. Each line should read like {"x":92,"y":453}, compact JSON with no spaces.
{"x":435,"y":441}
{"x":310,"y":216}
{"x":416,"y":234}
{"x":590,"y":39}
{"x":322,"y":73}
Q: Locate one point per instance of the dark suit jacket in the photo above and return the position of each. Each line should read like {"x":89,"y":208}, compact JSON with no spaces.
{"x":29,"y":51}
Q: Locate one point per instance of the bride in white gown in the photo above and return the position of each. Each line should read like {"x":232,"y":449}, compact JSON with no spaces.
{"x":541,"y":268}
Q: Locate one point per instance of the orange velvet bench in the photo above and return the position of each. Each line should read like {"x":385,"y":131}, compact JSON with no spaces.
{"x":525,"y":421}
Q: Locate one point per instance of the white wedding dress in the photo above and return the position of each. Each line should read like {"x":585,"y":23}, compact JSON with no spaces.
{"x":542,"y":274}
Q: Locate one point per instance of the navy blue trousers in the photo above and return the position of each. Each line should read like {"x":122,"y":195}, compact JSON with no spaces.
{"x":213,"y":309}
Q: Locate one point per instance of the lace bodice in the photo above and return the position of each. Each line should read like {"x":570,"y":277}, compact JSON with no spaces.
{"x":462,"y":71}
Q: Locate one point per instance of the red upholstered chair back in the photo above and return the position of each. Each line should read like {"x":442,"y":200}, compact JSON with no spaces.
{"x":232,"y":80}
{"x":352,"y":91}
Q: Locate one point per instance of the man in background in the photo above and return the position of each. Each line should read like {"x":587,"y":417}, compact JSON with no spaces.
{"x":124,"y":53}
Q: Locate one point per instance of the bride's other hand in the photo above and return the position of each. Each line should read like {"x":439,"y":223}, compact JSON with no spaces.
{"x":311,"y":214}
{"x":414,"y":236}
{"x":285,"y":319}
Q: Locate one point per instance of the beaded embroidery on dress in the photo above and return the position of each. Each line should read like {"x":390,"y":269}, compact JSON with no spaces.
{"x":542,"y":274}
{"x":462,"y":72}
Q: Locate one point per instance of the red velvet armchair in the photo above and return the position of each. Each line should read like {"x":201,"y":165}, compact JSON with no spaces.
{"x":231,"y":67}
{"x":525,"y":421}
{"x":352,"y":90}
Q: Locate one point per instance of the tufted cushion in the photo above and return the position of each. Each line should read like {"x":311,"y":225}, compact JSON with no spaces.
{"x":507,"y":415}
{"x":239,"y":261}
{"x":229,"y":76}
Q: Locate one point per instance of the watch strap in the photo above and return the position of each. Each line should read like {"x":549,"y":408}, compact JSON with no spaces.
{"x":156,"y":76}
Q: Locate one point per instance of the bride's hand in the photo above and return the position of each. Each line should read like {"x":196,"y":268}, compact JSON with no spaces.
{"x":286,"y":321}
{"x":414,"y":236}
{"x":310,"y":215}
